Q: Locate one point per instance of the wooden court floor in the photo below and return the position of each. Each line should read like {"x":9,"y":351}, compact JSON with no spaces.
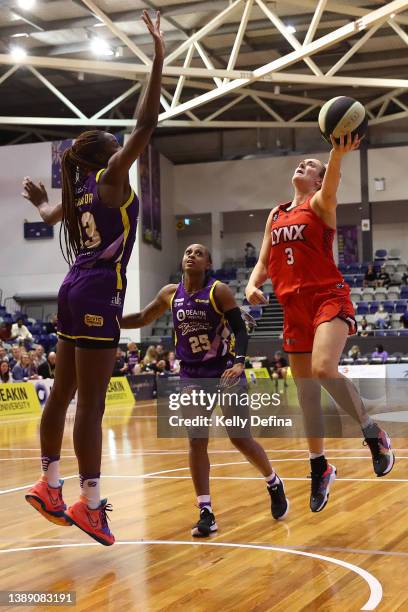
{"x":352,"y":556}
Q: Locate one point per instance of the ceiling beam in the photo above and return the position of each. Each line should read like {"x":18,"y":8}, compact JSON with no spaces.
{"x":268,"y":70}
{"x":117,"y":31}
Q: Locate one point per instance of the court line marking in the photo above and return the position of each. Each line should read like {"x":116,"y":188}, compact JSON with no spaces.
{"x":159,"y":474}
{"x":114,"y":455}
{"x":4,"y":491}
{"x":374,"y":585}
{"x":215,"y":451}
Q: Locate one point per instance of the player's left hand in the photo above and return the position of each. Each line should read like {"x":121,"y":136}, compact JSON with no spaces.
{"x":36,"y":194}
{"x":232,"y":375}
{"x":346,"y":144}
{"x":156,"y":32}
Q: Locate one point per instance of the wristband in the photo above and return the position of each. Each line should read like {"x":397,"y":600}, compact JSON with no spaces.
{"x":240,"y":359}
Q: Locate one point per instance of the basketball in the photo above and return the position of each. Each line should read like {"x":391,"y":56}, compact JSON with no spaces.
{"x":341,"y":115}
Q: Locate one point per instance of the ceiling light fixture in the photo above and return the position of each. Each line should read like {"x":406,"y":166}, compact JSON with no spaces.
{"x":99,"y":46}
{"x":18,"y":53}
{"x":26,"y":5}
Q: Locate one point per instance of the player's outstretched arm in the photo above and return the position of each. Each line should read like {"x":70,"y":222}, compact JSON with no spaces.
{"x":38,"y":196}
{"x":116,"y":174}
{"x":260,"y":273}
{"x":226,"y":303}
{"x":326,"y":197}
{"x":152,"y":311}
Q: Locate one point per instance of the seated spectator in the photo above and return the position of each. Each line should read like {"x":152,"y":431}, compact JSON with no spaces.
{"x":160,"y":354}
{"x":120,"y":367}
{"x":20,"y":332}
{"x":51,"y":326}
{"x":149,"y":363}
{"x":404,"y":280}
{"x":354,"y":352}
{"x":24,"y":369}
{"x":4,"y":331}
{"x":161,"y":368}
{"x":15,"y":356}
{"x":47,"y":368}
{"x":370,"y":278}
{"x":173,"y":363}
{"x":3,"y":354}
{"x":404,"y":319}
{"x":133,"y":358}
{"x":379,"y":353}
{"x":279,"y":369}
{"x":250,"y":255}
{"x":383,"y":279}
{"x":381,"y":318}
{"x":40,"y":354}
{"x":5,"y":374}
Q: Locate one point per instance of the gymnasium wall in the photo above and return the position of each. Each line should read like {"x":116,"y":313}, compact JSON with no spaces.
{"x":250,"y":184}
{"x":27,"y":265}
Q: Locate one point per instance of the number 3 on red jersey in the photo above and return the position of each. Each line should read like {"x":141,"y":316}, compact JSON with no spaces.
{"x":290,"y":259}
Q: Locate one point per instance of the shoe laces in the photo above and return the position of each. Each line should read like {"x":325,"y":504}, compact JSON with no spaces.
{"x":317,"y":482}
{"x":104,"y":517}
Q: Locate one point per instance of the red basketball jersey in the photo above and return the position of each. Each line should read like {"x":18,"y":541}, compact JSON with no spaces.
{"x":301,"y":255}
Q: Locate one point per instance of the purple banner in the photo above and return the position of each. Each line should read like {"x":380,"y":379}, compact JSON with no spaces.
{"x":149,"y":173}
{"x":347,"y":240}
{"x":58,"y":148}
{"x":156,"y":201}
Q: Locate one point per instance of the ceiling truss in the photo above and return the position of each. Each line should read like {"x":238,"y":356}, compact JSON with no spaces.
{"x":193,"y":79}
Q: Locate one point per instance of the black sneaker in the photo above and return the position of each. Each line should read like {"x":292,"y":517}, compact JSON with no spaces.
{"x":279,"y":501}
{"x":321,"y":484}
{"x":380,"y":446}
{"x":205,"y":525}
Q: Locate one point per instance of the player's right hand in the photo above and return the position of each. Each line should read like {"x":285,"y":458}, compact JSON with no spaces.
{"x":255,"y":295}
{"x":36,"y":194}
{"x":155,"y":31}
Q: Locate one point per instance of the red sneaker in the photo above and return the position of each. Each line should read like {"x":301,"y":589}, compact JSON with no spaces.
{"x":48,"y":501}
{"x":92,"y":522}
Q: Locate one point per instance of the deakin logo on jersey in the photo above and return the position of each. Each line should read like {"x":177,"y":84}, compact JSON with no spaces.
{"x":288,"y":233}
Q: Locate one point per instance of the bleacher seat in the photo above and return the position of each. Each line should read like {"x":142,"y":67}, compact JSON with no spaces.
{"x":401,"y":267}
{"x":362,"y":308}
{"x":403,"y":332}
{"x":404,"y":293}
{"x":373,"y":306}
{"x":394,"y":254}
{"x":389,"y":306}
{"x":354,"y":268}
{"x":390,"y":268}
{"x":355,"y":294}
{"x":396,"y":278}
{"x":367,"y":294}
{"x":393,"y":293}
{"x":380,"y":254}
{"x":400,"y":306}
{"x":380,"y":294}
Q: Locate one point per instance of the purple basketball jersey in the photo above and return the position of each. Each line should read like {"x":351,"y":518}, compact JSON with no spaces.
{"x":107,"y":234}
{"x":203,"y":337}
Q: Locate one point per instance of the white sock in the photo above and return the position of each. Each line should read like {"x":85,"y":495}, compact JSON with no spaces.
{"x":91,"y":491}
{"x":272,"y":480}
{"x":316,"y":455}
{"x":204,"y":501}
{"x":50,"y":471}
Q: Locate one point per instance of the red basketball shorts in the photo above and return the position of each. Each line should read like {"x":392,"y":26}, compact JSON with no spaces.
{"x":306,"y":310}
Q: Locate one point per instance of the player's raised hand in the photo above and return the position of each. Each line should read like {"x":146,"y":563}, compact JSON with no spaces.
{"x":346,"y":144}
{"x":36,"y":194}
{"x":255,"y":295}
{"x":156,"y":32}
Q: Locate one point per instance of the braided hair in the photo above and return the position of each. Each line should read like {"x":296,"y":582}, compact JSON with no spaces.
{"x":87,"y":153}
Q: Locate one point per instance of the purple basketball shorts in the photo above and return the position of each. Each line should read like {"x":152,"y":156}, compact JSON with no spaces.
{"x":90,"y":307}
